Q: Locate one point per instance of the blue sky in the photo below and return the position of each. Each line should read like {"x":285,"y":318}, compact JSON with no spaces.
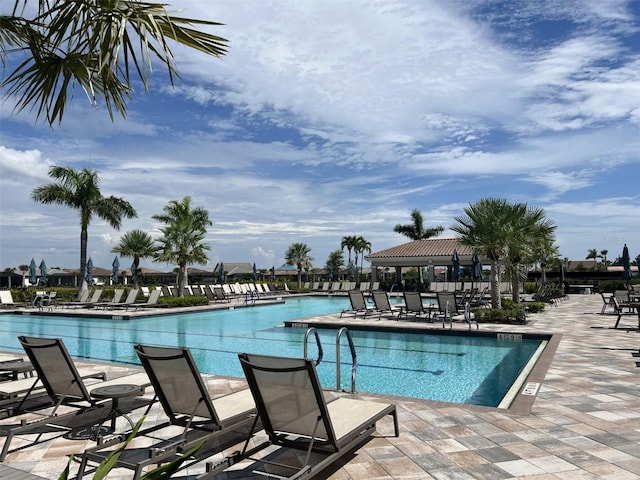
{"x":334,"y":117}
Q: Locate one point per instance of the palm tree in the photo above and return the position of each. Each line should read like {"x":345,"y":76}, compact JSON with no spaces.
{"x":81,"y":190}
{"x":593,"y":255}
{"x":361,"y":245}
{"x":603,"y":256}
{"x":298,"y":255}
{"x":8,"y":272}
{"x":136,"y":244}
{"x":531,"y":237}
{"x":486,"y":227}
{"x":104,"y":47}
{"x":348,"y":242}
{"x":417,"y":231}
{"x":335,"y":261}
{"x":183,"y":235}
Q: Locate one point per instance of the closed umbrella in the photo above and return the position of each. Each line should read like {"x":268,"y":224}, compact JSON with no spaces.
{"x":89,"y":276}
{"x":455,"y":266}
{"x":115,"y":267}
{"x":255,"y":272}
{"x":476,"y":267}
{"x":626,"y":263}
{"x":134,"y":273}
{"x":221,"y":272}
{"x":32,"y":272}
{"x":273,"y":274}
{"x":43,"y":272}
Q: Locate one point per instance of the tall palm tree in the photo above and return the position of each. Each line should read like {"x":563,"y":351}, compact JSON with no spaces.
{"x":486,"y":226}
{"x":103,"y":47}
{"x":298,"y":254}
{"x":136,"y":244}
{"x":183,"y":235}
{"x":348,"y":242}
{"x":417,"y":231}
{"x":361,"y":245}
{"x":80,"y":189}
{"x":593,"y":255}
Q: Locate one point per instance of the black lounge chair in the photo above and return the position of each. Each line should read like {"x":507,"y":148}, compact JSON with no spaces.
{"x":183,"y":394}
{"x":383,"y":306}
{"x":64,"y":385}
{"x":306,"y":434}
{"x":413,"y":306}
{"x":358,"y":304}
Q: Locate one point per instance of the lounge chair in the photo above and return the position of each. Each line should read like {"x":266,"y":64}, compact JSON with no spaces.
{"x":88,"y":303}
{"x":117,"y":298}
{"x":413,"y":306}
{"x":6,"y":300}
{"x":383,"y":306}
{"x":183,"y":394}
{"x":64,"y":385}
{"x":309,"y":434}
{"x":152,"y":301}
{"x":358,"y":304}
{"x":130,"y":300}
{"x":607,"y":301}
{"x":624,"y":308}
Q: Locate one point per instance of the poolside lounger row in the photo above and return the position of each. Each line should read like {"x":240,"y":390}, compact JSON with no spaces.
{"x":284,"y":398}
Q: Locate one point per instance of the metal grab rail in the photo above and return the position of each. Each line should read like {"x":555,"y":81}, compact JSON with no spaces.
{"x":447,"y":315}
{"x":318,"y":342}
{"x":354,"y":359}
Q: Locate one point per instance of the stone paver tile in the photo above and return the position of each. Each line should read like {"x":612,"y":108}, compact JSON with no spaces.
{"x":552,"y":464}
{"x":520,"y":468}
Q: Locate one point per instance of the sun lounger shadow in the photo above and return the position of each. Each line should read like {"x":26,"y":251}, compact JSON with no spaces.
{"x":306,"y":434}
{"x":183,"y":394}
{"x":64,"y":385}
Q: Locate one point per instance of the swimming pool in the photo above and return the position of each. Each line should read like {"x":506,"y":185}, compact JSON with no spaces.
{"x":462,"y":369}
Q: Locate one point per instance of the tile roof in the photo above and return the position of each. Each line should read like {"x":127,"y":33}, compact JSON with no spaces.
{"x":432,"y":247}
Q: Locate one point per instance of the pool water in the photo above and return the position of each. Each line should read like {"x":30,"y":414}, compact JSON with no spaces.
{"x":460,"y":369}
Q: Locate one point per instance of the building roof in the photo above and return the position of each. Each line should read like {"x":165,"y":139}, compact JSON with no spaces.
{"x":422,"y":252}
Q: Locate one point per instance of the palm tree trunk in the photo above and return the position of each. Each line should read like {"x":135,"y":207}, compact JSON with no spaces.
{"x":83,"y":262}
{"x":515,"y":289}
{"x":495,"y":284}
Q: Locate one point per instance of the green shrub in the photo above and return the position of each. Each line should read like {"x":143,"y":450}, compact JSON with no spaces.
{"x":183,"y":301}
{"x":510,"y":312}
{"x":535,"y":307}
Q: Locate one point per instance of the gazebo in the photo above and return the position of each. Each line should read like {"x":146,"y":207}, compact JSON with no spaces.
{"x":430,"y":253}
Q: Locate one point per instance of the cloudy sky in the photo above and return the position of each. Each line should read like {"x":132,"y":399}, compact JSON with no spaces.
{"x":338,"y":117}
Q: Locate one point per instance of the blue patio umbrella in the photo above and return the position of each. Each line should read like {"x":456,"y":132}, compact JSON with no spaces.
{"x":32,"y":272}
{"x":255,"y":272}
{"x":89,"y":276}
{"x":273,"y":274}
{"x":221,"y":272}
{"x":476,"y":267}
{"x":455,"y":266}
{"x":331,"y":273}
{"x":115,"y":267}
{"x":352,"y":271}
{"x":626,"y":263}
{"x":43,"y":272}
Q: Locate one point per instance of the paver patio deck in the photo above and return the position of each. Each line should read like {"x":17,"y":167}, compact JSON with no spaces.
{"x":584,"y":423}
